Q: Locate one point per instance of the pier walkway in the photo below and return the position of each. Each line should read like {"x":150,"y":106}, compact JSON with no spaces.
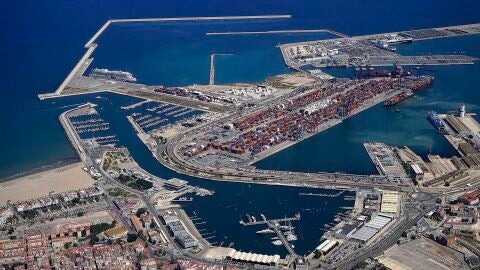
{"x":278,"y":32}
{"x":274,"y":226}
{"x":212,"y":70}
{"x":267,"y":221}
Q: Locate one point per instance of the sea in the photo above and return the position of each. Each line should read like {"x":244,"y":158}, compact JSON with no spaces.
{"x":41,"y":42}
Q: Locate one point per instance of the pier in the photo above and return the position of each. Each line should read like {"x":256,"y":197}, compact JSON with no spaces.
{"x":278,"y":32}
{"x":267,"y":221}
{"x":85,"y":61}
{"x":274,"y":226}
{"x":212,"y":70}
{"x":322,"y":194}
{"x":212,"y":67}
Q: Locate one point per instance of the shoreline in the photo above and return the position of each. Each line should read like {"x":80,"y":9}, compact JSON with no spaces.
{"x":45,"y":168}
{"x":61,"y":179}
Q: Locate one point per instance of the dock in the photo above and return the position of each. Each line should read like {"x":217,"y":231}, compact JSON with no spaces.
{"x":212,"y":70}
{"x":267,"y":222}
{"x":299,"y":31}
{"x":91,"y":45}
{"x":274,"y":226}
{"x":322,"y":194}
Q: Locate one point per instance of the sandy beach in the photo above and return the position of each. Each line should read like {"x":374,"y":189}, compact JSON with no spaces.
{"x":62,"y":179}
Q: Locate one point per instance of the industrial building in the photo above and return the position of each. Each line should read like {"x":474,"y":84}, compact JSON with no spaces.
{"x":175,"y":184}
{"x":326,"y":246}
{"x":239,"y":256}
{"x":371,"y":228}
{"x":178,"y":230}
{"x":389,"y":202}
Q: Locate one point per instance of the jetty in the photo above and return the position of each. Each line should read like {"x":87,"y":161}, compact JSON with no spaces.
{"x":322,"y":194}
{"x":82,"y":65}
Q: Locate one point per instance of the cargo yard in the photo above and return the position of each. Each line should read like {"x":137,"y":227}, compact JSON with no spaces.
{"x":247,"y":139}
{"x":374,"y":50}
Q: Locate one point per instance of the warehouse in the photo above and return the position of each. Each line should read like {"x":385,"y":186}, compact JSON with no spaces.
{"x":364,"y":234}
{"x":389,"y":202}
{"x":326,"y":246}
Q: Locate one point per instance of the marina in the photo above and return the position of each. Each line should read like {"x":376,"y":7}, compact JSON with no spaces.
{"x":151,"y":115}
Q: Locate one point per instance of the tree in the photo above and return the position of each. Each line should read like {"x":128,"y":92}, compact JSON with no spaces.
{"x":141,"y":211}
{"x":131,"y":237}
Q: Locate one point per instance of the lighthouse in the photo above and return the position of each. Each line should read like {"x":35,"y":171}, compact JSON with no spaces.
{"x":461,"y":110}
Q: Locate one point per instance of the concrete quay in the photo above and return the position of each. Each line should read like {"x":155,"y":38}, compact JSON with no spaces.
{"x":84,"y":62}
{"x":278,"y":32}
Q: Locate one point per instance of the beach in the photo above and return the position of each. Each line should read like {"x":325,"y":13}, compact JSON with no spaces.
{"x":58,"y":180}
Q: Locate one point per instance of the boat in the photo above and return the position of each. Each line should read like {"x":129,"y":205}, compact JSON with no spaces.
{"x":183,"y":199}
{"x":396,"y":39}
{"x":291,"y":237}
{"x":436,"y":122}
{"x":277,"y":243}
{"x":418,"y":82}
{"x":265,"y":231}
{"x":117,"y":75}
{"x":398,"y":98}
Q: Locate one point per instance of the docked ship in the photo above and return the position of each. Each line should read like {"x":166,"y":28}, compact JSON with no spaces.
{"x":396,"y":39}
{"x":266,"y":231}
{"x":277,"y":243}
{"x":371,"y":73}
{"x":117,"y":75}
{"x":398,"y":98}
{"x":436,"y":121}
{"x":420,"y":82}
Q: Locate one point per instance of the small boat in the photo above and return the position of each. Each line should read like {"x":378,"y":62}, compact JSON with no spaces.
{"x":265,"y":231}
{"x":397,"y":110}
{"x":277,"y":243}
{"x":291,"y":237}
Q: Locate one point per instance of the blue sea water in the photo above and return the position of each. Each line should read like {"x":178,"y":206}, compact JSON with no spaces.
{"x":41,"y":42}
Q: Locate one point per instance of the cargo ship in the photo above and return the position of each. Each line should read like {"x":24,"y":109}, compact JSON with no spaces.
{"x":417,"y":83}
{"x":117,"y":75}
{"x":436,"y":122}
{"x":398,"y":98}
{"x":371,"y":73}
{"x":396,"y":39}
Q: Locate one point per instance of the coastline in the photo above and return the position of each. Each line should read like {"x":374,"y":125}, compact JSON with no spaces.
{"x":58,"y":180}
{"x":48,"y":167}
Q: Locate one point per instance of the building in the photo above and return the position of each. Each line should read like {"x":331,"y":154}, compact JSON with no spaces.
{"x":417,"y":172}
{"x":175,"y":184}
{"x":470,"y":198}
{"x":178,"y":230}
{"x":389,"y":202}
{"x":137,"y":223}
{"x":5,"y":214}
{"x":12,"y":251}
{"x":239,"y":256}
{"x":326,"y":246}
